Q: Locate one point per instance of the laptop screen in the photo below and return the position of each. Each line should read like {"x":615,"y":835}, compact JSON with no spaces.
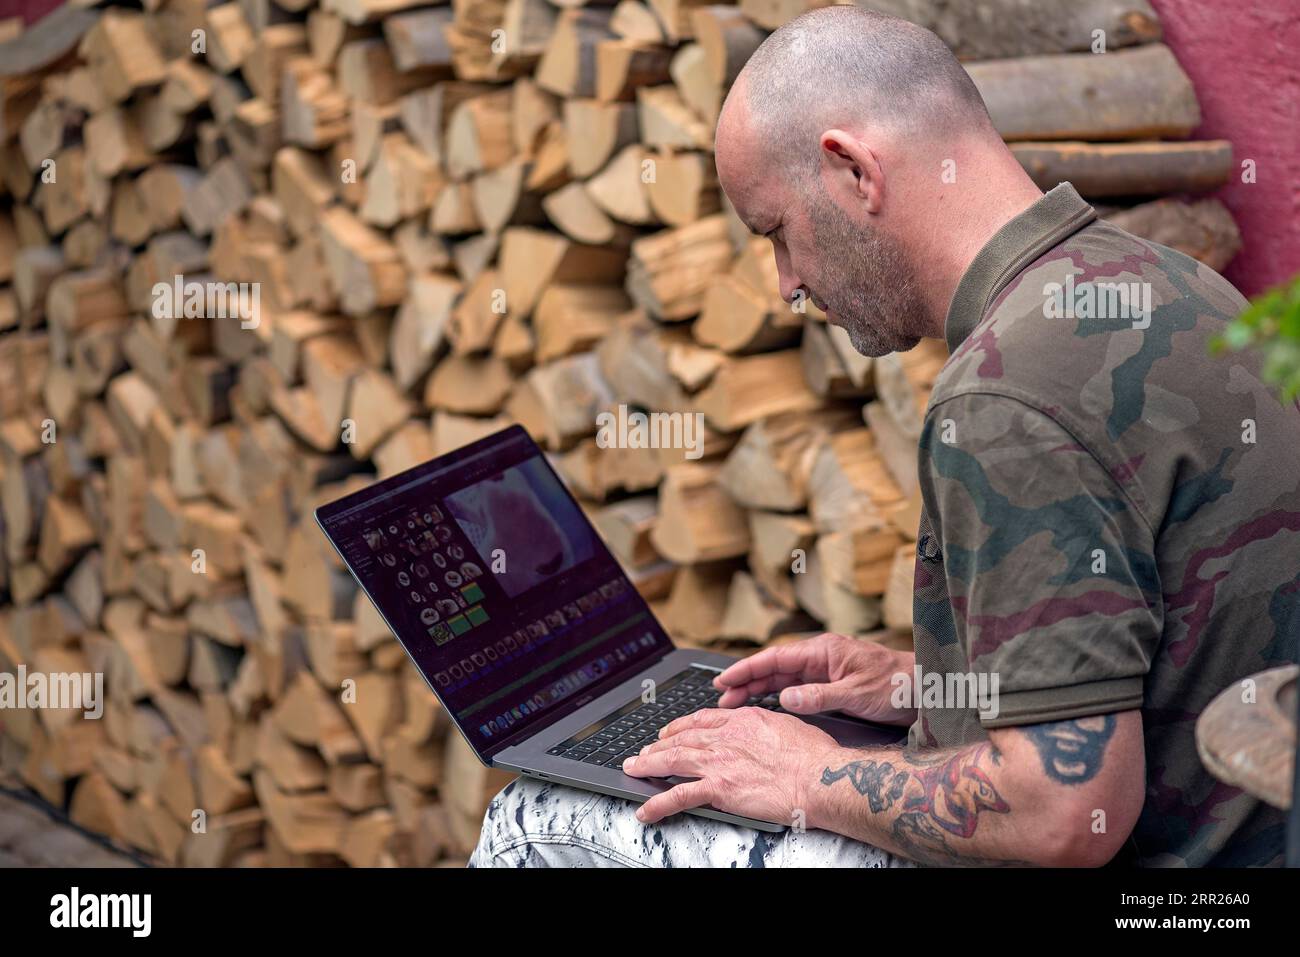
{"x":497,"y":585}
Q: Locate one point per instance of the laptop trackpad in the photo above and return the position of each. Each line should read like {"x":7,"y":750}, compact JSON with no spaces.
{"x":851,"y":733}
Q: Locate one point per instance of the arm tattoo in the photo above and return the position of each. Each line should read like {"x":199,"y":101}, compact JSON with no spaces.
{"x":877,"y":781}
{"x":936,"y":799}
{"x":1072,"y":751}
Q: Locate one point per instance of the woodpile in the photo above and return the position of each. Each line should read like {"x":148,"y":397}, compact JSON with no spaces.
{"x":449,"y":218}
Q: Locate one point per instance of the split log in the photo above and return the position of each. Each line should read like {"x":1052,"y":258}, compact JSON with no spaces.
{"x":849,"y":486}
{"x":753,"y":614}
{"x":747,"y":389}
{"x":669,"y":271}
{"x":698,"y":522}
{"x":771,"y":465}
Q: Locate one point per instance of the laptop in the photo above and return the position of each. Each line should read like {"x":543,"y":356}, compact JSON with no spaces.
{"x":523,"y":623}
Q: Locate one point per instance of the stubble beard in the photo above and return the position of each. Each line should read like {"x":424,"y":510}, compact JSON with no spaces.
{"x":868,"y":282}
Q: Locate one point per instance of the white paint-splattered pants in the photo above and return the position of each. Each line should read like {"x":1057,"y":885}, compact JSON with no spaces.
{"x":537,"y":824}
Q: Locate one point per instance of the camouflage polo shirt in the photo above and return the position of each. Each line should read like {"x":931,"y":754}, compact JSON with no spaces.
{"x":1111,"y":515}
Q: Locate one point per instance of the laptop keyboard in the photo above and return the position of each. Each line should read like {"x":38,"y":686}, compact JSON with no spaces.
{"x":622,"y":734}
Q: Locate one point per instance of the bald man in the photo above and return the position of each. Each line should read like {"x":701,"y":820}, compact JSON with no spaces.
{"x":1111,"y":525}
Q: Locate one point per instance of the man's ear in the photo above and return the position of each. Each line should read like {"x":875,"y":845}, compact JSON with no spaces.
{"x":852,"y":170}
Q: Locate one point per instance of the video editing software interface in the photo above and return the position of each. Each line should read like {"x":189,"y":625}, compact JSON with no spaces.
{"x":494,"y":581}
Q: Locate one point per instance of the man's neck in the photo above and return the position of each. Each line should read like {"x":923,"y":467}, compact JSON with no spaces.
{"x":962,"y":218}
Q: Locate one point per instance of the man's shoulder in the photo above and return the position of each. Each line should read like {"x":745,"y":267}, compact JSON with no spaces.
{"x":1109,"y":335}
{"x":1099,"y":294}
{"x":1093,"y":326}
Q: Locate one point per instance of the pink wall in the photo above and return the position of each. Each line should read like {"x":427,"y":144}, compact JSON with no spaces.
{"x":1244,"y":60}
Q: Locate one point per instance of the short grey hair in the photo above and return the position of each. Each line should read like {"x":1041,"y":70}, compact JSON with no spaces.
{"x":834,"y":65}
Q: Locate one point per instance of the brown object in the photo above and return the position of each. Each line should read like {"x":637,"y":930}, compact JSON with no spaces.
{"x":744,"y":390}
{"x":1134,"y":93}
{"x":1246,"y":736}
{"x":1203,"y":229}
{"x":669,"y":271}
{"x":1009,"y":28}
{"x":697,"y":522}
{"x":771,"y":465}
{"x":1128,"y":169}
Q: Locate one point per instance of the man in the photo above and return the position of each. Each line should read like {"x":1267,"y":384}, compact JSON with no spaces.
{"x":1111,"y":523}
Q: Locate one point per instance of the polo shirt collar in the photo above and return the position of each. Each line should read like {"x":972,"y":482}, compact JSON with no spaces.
{"x":1060,"y":213}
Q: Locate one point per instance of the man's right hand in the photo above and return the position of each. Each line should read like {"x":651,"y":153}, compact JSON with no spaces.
{"x":827,"y":673}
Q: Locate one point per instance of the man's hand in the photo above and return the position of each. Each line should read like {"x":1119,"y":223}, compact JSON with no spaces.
{"x":748,"y":761}
{"x":827,"y":673}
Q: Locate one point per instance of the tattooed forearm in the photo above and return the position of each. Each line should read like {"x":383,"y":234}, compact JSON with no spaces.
{"x":878,"y":781}
{"x":924,"y":843}
{"x":1072,"y":751}
{"x":936,"y":798}
{"x":934,"y":805}
{"x":957,"y":790}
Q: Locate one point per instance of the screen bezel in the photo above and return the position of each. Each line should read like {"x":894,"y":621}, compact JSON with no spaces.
{"x":425,"y":471}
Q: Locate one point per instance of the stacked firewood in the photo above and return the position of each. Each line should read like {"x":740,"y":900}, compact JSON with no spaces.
{"x":454,"y":217}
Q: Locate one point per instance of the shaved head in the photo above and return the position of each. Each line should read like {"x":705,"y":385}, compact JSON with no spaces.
{"x":834,"y":141}
{"x":844,"y":66}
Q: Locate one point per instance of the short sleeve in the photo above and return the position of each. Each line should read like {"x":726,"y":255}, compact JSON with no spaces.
{"x":1050,"y":569}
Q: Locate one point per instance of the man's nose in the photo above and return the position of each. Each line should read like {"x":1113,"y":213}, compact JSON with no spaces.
{"x":788,"y":280}
{"x":790,"y":284}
